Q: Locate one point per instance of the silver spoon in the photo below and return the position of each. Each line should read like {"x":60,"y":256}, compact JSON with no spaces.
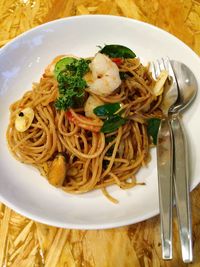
{"x":187,"y":90}
{"x":187,"y":84}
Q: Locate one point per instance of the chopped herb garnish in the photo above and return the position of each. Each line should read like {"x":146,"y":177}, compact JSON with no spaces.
{"x":153,"y":125}
{"x":71,"y":85}
{"x":79,"y":67}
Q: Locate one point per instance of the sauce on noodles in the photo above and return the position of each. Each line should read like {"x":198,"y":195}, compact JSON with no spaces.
{"x":73,"y":146}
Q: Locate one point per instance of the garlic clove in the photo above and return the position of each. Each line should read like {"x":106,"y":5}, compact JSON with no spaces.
{"x":159,"y":86}
{"x":24,"y":119}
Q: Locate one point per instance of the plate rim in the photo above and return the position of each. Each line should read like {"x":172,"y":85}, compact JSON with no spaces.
{"x":95,"y":16}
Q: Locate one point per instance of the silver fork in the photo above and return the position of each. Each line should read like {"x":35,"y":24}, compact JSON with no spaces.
{"x":165,"y":158}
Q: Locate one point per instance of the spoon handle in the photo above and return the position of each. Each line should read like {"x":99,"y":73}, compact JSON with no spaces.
{"x":181,"y":184}
{"x":165,"y":172}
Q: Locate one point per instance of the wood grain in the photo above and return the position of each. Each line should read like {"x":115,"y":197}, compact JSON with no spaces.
{"x":26,"y":243}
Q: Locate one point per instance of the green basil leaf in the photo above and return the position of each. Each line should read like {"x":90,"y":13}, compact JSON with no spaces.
{"x":112,"y":124}
{"x":106,"y":110}
{"x":61,"y":64}
{"x":152,"y":128}
{"x":109,"y":139}
{"x":124,"y":75}
{"x":115,"y":51}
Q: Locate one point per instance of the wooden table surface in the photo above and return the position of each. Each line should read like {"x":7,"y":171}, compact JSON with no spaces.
{"x":26,"y":243}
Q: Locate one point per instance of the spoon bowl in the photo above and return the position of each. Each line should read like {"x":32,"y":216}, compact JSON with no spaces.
{"x":187,"y":86}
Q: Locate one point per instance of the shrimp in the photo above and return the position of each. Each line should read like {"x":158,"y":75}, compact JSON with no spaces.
{"x":84,"y":122}
{"x":91,"y":103}
{"x":104,"y":77}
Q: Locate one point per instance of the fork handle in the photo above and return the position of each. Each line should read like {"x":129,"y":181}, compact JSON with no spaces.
{"x":165,"y":172}
{"x":181,"y":185}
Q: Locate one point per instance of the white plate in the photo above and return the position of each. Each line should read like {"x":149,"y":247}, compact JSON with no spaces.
{"x":23,"y":60}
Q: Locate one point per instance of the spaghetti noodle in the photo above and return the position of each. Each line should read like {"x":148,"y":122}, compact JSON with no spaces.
{"x":93,"y":159}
